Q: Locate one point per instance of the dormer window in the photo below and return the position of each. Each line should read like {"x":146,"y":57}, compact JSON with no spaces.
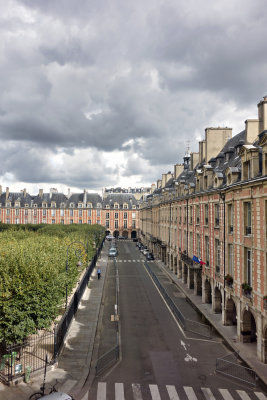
{"x":44,"y":205}
{"x":26,"y":205}
{"x":134,"y":207}
{"x":116,"y":205}
{"x":89,"y":205}
{"x":71,"y":205}
{"x":99,"y":205}
{"x":35,"y":205}
{"x":80,"y":205}
{"x":125,"y":205}
{"x":246,"y":170}
{"x":17,"y":204}
{"x":107,"y":205}
{"x":62,"y":205}
{"x":53,"y":205}
{"x":229,"y":179}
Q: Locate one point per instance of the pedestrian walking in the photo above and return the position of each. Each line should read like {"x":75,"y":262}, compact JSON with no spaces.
{"x":99,"y":273}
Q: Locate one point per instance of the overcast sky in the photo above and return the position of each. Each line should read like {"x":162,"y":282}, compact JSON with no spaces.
{"x":102,"y":93}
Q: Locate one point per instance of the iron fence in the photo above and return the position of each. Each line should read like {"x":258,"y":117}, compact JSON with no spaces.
{"x":20,"y":359}
{"x":230,"y":366}
{"x":187,"y":324}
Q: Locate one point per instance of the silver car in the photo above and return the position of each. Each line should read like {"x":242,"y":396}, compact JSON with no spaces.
{"x":57,"y":396}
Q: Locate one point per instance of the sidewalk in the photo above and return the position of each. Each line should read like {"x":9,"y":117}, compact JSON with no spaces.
{"x":74,"y":363}
{"x":246,"y":351}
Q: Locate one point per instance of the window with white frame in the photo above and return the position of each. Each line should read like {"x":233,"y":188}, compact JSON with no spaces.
{"x":71,"y":213}
{"x":125,"y":215}
{"x":217,"y":255}
{"x":89,"y":213}
{"x":125,"y":224}
{"x":248,"y":266}
{"x":230,"y":259}
{"x":116,"y":224}
{"x":62,"y":213}
{"x":207,"y":251}
{"x":247,"y":218}
{"x":216,"y":215}
{"x":80,"y":213}
{"x":230,"y":218}
{"x":53,"y":213}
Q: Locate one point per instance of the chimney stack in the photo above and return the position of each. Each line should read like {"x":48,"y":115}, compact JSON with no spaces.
{"x":0,"y":190}
{"x":41,"y":193}
{"x":7,"y":192}
{"x":24,"y":192}
{"x":252,"y":130}
{"x":262,"y":112}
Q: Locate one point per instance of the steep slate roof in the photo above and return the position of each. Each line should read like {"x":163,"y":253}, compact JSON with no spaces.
{"x":16,"y":196}
{"x":120,"y":198}
{"x":58,"y":198}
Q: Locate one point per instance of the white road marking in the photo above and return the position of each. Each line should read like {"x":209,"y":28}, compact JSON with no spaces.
{"x":119,"y":391}
{"x":154,"y":392}
{"x":190,"y":393}
{"x":190,"y":358}
{"x":183,"y":344}
{"x":225,"y":394}
{"x":260,"y":396}
{"x":101,"y":391}
{"x":208,"y":394}
{"x":243,"y":395}
{"x":172,"y":392}
{"x":137,"y":395}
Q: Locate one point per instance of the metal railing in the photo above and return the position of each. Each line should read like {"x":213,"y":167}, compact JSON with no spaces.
{"x":230,"y":366}
{"x":187,"y":324}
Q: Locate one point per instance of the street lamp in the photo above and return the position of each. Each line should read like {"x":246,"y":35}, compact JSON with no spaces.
{"x":79,"y":263}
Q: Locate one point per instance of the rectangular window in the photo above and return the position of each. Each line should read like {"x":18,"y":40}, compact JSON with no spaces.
{"x":80,"y":213}
{"x":98,"y":222}
{"x":198,"y":245}
{"x":217,"y":255}
{"x":191,"y":244}
{"x":8,"y":221}
{"x":133,"y":215}
{"x":207,"y":251}
{"x":8,"y":211}
{"x":89,"y":213}
{"x":71,"y":221}
{"x":80,"y":221}
{"x":230,"y":218}
{"x":217,"y":215}
{"x":190,"y":214}
{"x":107,"y":215}
{"x":98,"y":213}
{"x":53,"y":213}
{"x":62,"y":213}
{"x":53,"y":221}
{"x":34,"y":212}
{"x":116,"y":215}
{"x":62,"y":222}
{"x":107,"y":223}
{"x":185,"y":215}
{"x":197,"y":215}
{"x":248,"y":266}
{"x":17,"y":212}
{"x":17,"y":221}
{"x":116,"y":224}
{"x":230,"y":260}
{"x":89,"y":222}
{"x":44,"y":212}
{"x":125,"y":224}
{"x":134,"y":224}
{"x":71,"y":213}
{"x":206,"y":210}
{"x":125,"y":215}
{"x":247,"y":218}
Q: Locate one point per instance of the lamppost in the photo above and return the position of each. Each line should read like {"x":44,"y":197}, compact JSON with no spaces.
{"x":78,"y":263}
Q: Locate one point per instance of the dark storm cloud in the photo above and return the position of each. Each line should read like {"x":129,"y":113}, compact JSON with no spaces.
{"x":138,"y":78}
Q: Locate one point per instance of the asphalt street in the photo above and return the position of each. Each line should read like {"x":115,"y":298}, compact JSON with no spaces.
{"x":158,"y":359}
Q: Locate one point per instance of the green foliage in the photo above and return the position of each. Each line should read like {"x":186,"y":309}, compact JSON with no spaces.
{"x":33,"y":275}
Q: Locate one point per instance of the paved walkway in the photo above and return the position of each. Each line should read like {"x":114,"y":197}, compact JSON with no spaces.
{"x":246,"y":351}
{"x":74,"y":365}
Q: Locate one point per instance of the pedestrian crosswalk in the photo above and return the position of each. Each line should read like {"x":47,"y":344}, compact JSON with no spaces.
{"x":171,"y":392}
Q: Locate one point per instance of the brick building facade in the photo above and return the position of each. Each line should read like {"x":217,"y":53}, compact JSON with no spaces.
{"x":207,"y":221}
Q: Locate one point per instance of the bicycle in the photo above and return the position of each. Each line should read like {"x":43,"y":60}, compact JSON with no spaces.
{"x":39,"y":395}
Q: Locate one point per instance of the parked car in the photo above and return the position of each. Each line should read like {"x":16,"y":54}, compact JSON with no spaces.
{"x":145,"y":251}
{"x":135,"y":240}
{"x":139,"y":245}
{"x":110,"y":237}
{"x":121,"y":237}
{"x":150,"y":256}
{"x":113,"y":252}
{"x":57,"y":396}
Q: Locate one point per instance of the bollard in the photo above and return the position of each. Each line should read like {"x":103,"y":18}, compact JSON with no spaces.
{"x":27,"y":374}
